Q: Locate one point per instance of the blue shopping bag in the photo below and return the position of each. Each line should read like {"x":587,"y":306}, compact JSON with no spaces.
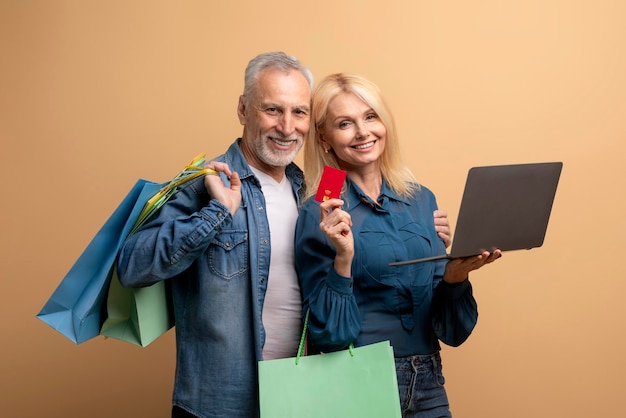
{"x":77,"y":308}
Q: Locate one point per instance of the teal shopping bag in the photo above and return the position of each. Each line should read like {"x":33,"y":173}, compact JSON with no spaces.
{"x":355,"y":383}
{"x":77,"y":307}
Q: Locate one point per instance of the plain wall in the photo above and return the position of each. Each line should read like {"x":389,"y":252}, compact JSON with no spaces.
{"x":95,"y":94}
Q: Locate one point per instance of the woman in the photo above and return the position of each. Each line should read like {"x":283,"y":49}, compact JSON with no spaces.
{"x":344,"y":246}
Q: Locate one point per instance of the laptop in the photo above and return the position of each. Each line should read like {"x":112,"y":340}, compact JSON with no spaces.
{"x":503,"y":206}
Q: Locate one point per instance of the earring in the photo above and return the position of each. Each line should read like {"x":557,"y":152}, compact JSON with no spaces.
{"x":326,"y":150}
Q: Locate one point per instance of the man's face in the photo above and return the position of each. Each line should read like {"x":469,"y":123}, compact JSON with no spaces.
{"x":275,"y":118}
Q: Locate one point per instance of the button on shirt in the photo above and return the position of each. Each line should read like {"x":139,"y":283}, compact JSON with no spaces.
{"x":409,"y":305}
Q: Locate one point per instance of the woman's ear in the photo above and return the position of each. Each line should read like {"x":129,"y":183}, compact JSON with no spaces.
{"x":324,"y":144}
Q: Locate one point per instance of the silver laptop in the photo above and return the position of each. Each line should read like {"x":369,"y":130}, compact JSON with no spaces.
{"x":503,"y":206}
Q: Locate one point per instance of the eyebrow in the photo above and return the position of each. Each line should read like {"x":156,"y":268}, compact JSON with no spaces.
{"x":272,"y":104}
{"x":303,"y":107}
{"x":365,"y":112}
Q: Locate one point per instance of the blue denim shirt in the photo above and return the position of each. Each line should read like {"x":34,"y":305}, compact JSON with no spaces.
{"x":217,"y":266}
{"x":409,"y":305}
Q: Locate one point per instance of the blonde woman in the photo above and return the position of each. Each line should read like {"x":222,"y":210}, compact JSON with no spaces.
{"x":343,"y":247}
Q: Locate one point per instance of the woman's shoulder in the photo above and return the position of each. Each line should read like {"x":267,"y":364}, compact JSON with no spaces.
{"x":422,"y":192}
{"x":310,"y":205}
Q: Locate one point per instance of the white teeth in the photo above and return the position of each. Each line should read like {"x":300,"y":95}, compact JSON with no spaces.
{"x":283,"y":143}
{"x":364,"y":146}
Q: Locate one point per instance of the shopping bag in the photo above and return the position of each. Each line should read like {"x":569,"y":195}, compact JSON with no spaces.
{"x":141,"y":315}
{"x":77,"y":307}
{"x":357,"y":382}
{"x":138,"y":316}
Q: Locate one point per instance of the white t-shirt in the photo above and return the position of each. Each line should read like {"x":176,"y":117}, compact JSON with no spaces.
{"x":282,"y":307}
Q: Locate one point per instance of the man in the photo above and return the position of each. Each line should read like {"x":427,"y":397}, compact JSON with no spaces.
{"x":236,"y":299}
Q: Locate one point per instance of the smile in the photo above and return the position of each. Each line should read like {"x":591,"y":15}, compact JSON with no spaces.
{"x":364,"y":146}
{"x":283,"y":143}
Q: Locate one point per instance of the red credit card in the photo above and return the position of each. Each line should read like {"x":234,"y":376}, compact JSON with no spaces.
{"x":331,"y":184}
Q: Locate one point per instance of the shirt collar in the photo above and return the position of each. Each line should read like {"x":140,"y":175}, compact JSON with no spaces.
{"x":355,"y":196}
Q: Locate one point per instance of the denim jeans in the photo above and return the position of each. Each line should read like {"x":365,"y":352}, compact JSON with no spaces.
{"x":178,"y":412}
{"x":420,"y":381}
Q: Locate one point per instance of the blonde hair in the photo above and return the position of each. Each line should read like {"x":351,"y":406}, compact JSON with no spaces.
{"x":397,"y":175}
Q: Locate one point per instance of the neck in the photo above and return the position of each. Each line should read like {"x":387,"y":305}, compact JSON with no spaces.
{"x":277,"y":173}
{"x":370,"y":182}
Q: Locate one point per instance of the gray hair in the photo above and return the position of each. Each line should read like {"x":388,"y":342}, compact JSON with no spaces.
{"x":272,"y":60}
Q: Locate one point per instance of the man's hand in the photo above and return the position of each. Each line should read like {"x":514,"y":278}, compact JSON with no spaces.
{"x":229,"y":197}
{"x":442,"y":226}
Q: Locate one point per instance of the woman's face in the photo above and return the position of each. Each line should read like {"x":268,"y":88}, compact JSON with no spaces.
{"x":354,"y":131}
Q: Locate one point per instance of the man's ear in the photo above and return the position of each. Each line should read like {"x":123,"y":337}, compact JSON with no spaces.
{"x":241,"y":110}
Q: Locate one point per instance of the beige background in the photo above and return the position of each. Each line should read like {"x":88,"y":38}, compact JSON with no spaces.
{"x":95,"y":94}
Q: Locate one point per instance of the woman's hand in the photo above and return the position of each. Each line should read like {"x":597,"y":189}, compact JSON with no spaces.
{"x":457,"y":269}
{"x":336,"y":224}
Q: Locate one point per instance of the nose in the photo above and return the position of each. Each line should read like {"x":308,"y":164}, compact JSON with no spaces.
{"x":362,"y":132}
{"x":286,"y":126}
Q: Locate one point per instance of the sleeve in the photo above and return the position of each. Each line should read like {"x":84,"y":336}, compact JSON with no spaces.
{"x":454,"y":312}
{"x":180,"y":231}
{"x":453,"y":309}
{"x":334,"y":319}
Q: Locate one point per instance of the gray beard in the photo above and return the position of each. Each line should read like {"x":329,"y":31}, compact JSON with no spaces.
{"x":277,"y":158}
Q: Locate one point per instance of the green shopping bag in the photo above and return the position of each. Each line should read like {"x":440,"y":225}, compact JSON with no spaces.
{"x":141,"y":315}
{"x":358,"y":382}
{"x":138,"y":316}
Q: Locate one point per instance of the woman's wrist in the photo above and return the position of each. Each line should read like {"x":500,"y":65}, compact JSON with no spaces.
{"x":343,"y":264}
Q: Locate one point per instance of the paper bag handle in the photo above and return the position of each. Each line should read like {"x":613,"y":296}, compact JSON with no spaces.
{"x":303,"y":338}
{"x":193,"y":170}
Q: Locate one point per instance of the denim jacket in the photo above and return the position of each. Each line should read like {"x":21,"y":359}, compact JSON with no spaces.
{"x":218,"y":266}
